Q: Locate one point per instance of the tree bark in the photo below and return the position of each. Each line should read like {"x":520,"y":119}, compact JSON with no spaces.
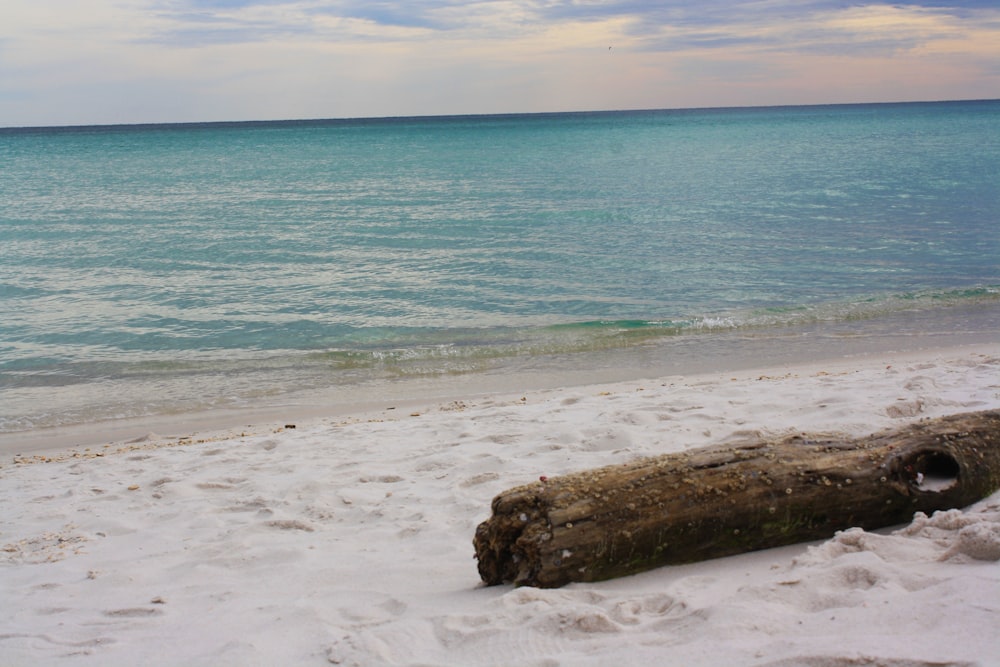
{"x":723,"y":500}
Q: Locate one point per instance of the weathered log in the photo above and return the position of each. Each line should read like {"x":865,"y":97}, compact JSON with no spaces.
{"x":723,"y":500}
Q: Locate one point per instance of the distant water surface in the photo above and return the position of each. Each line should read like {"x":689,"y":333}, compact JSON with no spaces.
{"x":154,"y":270}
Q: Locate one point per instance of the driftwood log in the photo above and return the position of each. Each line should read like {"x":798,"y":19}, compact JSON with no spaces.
{"x":723,"y":500}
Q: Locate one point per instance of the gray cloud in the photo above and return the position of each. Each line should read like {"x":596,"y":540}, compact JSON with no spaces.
{"x":206,"y":22}
{"x":701,"y":24}
{"x":396,"y":14}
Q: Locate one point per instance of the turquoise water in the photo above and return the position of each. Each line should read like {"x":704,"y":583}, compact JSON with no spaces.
{"x":158,"y":269}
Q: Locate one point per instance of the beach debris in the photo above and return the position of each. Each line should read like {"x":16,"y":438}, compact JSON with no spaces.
{"x":733,"y":498}
{"x":290,"y":524}
{"x":118,"y":448}
{"x":49,"y":547}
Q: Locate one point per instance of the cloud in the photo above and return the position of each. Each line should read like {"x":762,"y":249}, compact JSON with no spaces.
{"x":264,"y":20}
{"x":429,"y":15}
{"x":818,"y":26}
{"x":167,"y":60}
{"x":206,"y":22}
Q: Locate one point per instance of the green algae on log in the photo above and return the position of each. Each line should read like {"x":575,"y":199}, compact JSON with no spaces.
{"x":728,"y":499}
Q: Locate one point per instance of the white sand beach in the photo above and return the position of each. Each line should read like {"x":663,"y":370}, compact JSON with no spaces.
{"x":348,"y":540}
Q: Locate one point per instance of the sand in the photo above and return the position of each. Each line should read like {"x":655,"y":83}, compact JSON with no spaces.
{"x":347,"y":540}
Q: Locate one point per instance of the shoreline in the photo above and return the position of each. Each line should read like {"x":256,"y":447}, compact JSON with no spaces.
{"x":402,"y":397}
{"x":319,"y":393}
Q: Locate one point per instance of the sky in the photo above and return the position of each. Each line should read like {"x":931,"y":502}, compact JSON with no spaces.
{"x":80,"y":62}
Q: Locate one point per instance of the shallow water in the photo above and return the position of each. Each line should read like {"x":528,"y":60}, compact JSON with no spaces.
{"x":166,"y":269}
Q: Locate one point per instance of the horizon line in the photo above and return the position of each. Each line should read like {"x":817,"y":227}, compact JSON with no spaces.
{"x":425,"y":117}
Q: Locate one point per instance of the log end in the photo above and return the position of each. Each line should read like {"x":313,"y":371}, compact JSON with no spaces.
{"x":498,"y":540}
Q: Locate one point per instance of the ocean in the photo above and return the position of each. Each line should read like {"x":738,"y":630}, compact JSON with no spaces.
{"x":160,"y":270}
